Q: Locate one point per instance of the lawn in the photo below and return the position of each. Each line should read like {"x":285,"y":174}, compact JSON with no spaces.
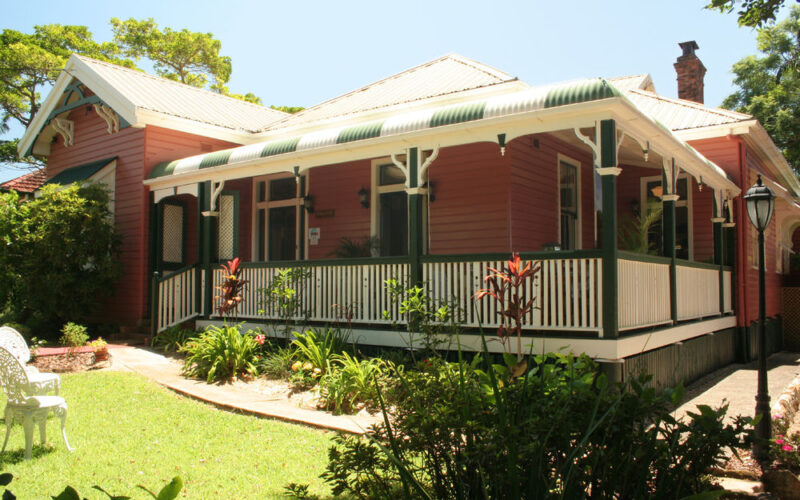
{"x":128,"y":431}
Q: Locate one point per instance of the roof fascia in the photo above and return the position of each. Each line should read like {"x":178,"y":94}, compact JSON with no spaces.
{"x":147,"y":117}
{"x":572,"y":116}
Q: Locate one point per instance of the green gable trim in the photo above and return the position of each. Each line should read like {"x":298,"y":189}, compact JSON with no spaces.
{"x":458,"y":114}
{"x":280,"y":147}
{"x":592,"y":90}
{"x":215,"y":159}
{"x":162,"y":169}
{"x":360,"y":132}
{"x":79,"y":173}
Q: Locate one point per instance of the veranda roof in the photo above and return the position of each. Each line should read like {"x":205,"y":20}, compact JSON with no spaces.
{"x":517,"y":103}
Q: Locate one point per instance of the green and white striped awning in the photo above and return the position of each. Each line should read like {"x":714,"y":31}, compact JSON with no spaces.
{"x":518,"y":102}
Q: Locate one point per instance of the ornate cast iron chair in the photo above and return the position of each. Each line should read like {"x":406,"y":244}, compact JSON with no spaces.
{"x":24,"y":406}
{"x":13,"y":342}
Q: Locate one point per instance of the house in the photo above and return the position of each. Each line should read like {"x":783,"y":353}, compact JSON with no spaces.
{"x":25,"y":185}
{"x":449,"y":167}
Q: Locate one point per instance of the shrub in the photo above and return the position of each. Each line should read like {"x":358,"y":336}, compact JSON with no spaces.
{"x":173,"y":338}
{"x":462,"y":430}
{"x":351,"y":382}
{"x":73,"y":335}
{"x":66,"y":239}
{"x":281,"y":298}
{"x":221,"y":353}
{"x":318,"y":350}
{"x":277,"y":363}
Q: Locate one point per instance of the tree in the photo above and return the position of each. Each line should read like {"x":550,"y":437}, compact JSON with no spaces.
{"x":769,"y":86}
{"x":752,"y":13}
{"x":60,"y":254}
{"x":288,"y":109}
{"x":184,"y":56}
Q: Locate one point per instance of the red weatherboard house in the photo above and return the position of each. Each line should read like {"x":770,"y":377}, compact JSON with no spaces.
{"x":434,"y":173}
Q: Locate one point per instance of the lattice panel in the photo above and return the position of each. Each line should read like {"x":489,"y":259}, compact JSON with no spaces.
{"x":172,"y":234}
{"x":791,"y":319}
{"x":226,"y":228}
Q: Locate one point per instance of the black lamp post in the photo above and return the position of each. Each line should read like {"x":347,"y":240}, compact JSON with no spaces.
{"x":760,"y":204}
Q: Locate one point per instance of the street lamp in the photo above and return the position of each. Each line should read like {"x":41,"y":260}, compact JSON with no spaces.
{"x":760,"y":204}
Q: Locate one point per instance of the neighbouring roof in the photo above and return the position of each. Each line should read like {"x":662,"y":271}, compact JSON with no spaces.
{"x":79,"y":173}
{"x":519,"y":102}
{"x":27,"y":183}
{"x":633,"y":82}
{"x":680,"y":114}
{"x":447,"y":75}
{"x":176,"y":99}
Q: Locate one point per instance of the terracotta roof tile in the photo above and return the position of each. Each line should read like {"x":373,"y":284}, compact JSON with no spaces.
{"x":27,"y":183}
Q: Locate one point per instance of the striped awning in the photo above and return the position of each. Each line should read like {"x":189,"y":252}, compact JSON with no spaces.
{"x":518,"y":102}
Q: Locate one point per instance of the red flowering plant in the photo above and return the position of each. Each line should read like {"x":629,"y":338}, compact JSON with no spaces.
{"x":507,"y":287}
{"x":231,"y":288}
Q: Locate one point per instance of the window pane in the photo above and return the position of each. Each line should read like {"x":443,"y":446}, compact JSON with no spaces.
{"x":682,"y":189}
{"x":262,"y":191}
{"x":282,"y":189}
{"x":682,"y":232}
{"x":390,"y":174}
{"x":569,"y":187}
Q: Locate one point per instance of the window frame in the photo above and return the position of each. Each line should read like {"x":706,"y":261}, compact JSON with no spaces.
{"x":300,"y":211}
{"x":562,"y":158}
{"x":680,"y":202}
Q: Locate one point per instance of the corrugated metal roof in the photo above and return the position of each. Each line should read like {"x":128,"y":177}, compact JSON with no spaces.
{"x":184,"y":101}
{"x":449,"y":74}
{"x":507,"y":104}
{"x":679,"y":114}
{"x":633,"y":82}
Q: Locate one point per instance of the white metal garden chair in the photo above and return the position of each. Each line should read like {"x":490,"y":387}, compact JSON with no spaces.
{"x":24,"y":406}
{"x":14,"y":342}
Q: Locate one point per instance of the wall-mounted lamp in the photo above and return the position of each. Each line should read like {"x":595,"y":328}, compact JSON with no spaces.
{"x":363,"y":197}
{"x":431,"y":191}
{"x":501,"y":140}
{"x":700,"y":184}
{"x":308,"y":204}
{"x":635,"y":207}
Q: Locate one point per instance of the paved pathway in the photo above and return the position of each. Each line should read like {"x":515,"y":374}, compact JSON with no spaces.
{"x":738,"y":383}
{"x":167,"y":373}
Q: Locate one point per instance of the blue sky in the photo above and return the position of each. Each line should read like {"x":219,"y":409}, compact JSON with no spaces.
{"x":299,"y":53}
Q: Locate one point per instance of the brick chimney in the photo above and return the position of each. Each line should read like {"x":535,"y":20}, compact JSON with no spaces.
{"x":690,"y":73}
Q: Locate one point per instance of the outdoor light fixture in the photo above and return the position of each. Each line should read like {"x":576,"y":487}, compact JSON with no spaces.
{"x":760,"y":204}
{"x":308,"y":204}
{"x":363,"y":197}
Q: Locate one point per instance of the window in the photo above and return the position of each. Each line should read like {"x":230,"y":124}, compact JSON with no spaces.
{"x":278,"y":209}
{"x":569,"y":203}
{"x":392,"y":211}
{"x":651,"y":200}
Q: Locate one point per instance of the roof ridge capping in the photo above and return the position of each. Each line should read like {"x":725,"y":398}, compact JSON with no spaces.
{"x":184,"y":86}
{"x":691,"y":104}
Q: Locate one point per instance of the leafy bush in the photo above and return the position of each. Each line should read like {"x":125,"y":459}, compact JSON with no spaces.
{"x":351,"y":382}
{"x":173,"y":338}
{"x":66,"y":239}
{"x":221,"y":353}
{"x":73,"y":335}
{"x":472,"y":430}
{"x":282,"y":300}
{"x":318,"y":350}
{"x":277,"y":363}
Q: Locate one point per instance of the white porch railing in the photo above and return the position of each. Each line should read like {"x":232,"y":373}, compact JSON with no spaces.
{"x":567,"y":293}
{"x":698,"y":291}
{"x":177,"y":298}
{"x":727,"y":290}
{"x":643,"y":293}
{"x":331,"y":292}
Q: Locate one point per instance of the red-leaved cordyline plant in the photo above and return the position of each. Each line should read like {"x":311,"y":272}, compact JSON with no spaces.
{"x":230,"y":289}
{"x":506,"y":286}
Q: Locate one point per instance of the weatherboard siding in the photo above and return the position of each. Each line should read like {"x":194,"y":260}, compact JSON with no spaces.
{"x":92,"y":142}
{"x":335,"y":188}
{"x":470,"y":213}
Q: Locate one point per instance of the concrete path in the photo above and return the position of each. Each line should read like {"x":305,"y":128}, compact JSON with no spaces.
{"x":167,"y":373}
{"x":737,"y":384}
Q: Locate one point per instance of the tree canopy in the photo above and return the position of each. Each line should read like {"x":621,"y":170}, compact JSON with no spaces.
{"x":753,"y":13}
{"x":768,"y":85}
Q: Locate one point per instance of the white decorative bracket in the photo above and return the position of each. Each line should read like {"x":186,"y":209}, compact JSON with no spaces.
{"x":645,"y":145}
{"x":67,"y":130}
{"x":109,"y":115}
{"x":402,"y":168}
{"x":619,"y":143}
{"x":216,"y":190}
{"x":593,"y":145}
{"x":427,"y":163}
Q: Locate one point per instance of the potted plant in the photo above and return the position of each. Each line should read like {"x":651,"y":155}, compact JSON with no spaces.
{"x":100,"y":348}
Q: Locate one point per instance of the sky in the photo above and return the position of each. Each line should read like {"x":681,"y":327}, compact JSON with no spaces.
{"x":300,"y":53}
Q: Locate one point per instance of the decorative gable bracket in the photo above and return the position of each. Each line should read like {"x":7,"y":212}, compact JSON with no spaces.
{"x":66,"y":128}
{"x":109,"y":115}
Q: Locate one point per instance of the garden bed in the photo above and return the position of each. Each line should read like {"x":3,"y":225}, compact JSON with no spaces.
{"x":70,"y":362}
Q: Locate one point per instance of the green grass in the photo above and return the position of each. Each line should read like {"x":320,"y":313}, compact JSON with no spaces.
{"x":128,"y":431}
